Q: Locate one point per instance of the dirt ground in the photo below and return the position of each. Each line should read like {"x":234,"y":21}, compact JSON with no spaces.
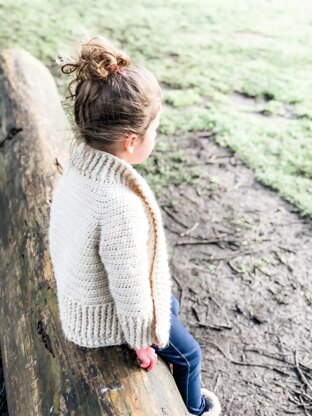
{"x":242,"y":272}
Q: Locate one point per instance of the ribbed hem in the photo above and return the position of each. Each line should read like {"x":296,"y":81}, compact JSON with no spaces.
{"x":99,"y":326}
{"x":90,"y":325}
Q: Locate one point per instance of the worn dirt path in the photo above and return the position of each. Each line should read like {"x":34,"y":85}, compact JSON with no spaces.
{"x":243,"y":277}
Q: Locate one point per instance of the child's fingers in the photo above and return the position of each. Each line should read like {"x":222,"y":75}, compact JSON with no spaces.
{"x":148,"y":359}
{"x":145,"y":364}
{"x":152,"y":362}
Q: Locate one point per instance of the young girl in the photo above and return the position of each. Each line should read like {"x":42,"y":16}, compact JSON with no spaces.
{"x":106,"y":237}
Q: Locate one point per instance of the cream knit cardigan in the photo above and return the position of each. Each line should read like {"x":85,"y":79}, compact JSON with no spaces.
{"x":109,"y":254}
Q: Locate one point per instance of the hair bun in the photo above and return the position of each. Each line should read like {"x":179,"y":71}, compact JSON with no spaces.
{"x":98,"y":58}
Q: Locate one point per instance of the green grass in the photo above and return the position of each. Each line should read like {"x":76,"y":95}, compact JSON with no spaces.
{"x":240,"y":68}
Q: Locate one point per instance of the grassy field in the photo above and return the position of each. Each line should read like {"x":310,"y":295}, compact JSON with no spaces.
{"x":241,"y":69}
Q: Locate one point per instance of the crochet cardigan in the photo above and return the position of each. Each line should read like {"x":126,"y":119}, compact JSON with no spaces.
{"x":109,"y":254}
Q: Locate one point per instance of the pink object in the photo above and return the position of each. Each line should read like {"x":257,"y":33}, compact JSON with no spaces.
{"x":121,"y":71}
{"x":114,"y":68}
{"x":147,"y":357}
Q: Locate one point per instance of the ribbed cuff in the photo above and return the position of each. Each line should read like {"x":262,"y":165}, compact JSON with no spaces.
{"x":138,"y":331}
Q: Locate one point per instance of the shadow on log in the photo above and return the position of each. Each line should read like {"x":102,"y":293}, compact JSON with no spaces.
{"x":44,"y":373}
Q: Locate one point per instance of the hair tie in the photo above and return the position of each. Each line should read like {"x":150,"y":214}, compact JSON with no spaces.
{"x":121,"y":71}
{"x":114,"y":68}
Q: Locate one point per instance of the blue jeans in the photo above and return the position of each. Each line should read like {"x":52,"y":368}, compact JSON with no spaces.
{"x":185,"y":354}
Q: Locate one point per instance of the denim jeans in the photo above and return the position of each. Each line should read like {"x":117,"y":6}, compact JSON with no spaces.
{"x":185,"y":354}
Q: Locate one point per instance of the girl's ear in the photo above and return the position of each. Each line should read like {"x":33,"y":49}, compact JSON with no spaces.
{"x":130,"y":142}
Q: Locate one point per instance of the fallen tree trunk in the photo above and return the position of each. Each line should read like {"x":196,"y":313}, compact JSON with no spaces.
{"x":44,"y":373}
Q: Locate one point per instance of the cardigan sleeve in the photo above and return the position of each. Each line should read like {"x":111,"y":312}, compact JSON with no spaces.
{"x":124,"y":253}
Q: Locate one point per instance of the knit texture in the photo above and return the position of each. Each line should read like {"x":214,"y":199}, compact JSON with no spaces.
{"x":109,"y":254}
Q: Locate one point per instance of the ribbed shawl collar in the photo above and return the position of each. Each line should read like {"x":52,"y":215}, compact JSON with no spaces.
{"x":105,"y":167}
{"x":101,"y":165}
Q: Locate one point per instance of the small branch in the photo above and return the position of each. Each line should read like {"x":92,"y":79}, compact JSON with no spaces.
{"x":303,"y":377}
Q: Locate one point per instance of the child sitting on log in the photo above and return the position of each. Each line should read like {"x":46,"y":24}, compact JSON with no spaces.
{"x":106,"y":236}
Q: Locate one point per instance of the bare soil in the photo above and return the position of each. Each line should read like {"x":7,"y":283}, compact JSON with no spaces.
{"x":242,"y":272}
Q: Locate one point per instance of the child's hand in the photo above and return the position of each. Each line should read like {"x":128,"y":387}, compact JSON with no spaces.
{"x":148,"y":357}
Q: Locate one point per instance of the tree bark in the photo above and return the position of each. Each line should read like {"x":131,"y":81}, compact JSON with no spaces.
{"x":44,"y":373}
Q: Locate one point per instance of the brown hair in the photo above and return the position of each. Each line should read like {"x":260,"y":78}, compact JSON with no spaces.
{"x":111,"y":98}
